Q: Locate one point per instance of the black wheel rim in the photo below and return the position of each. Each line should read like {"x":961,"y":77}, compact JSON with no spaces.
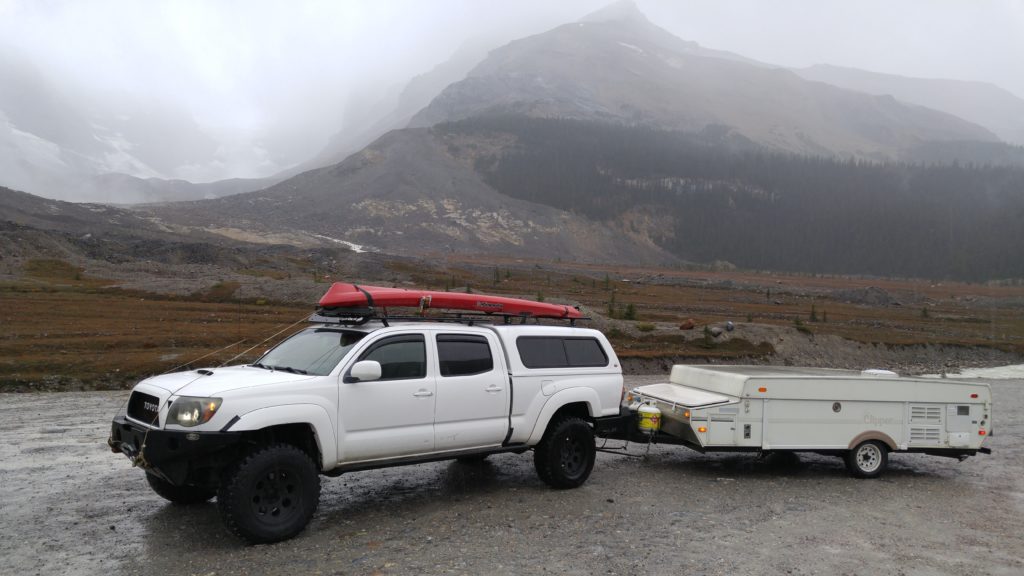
{"x":276,"y":496}
{"x":573,"y":456}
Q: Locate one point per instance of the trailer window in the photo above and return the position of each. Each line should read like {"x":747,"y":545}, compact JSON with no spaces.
{"x":557,"y":352}
{"x":463,"y":354}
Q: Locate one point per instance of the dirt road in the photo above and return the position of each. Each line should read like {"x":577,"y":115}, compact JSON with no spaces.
{"x":69,"y":506}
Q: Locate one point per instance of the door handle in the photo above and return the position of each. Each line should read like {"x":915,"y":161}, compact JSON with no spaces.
{"x":493,"y":388}
{"x":423,"y":393}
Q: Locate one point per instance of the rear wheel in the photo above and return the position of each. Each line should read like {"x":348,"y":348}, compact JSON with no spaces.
{"x":183,"y":495}
{"x":270,"y":495}
{"x":868,"y":459}
{"x":565,"y":456}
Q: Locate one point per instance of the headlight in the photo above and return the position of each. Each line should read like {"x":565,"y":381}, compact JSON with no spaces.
{"x":188,"y":411}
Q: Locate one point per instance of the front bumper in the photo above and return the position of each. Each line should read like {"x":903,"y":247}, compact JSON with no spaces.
{"x":178,"y":456}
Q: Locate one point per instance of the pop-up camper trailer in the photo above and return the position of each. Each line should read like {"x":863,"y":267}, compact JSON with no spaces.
{"x":861,"y":416}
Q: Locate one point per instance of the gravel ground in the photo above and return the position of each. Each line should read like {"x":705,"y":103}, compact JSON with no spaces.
{"x":69,"y":506}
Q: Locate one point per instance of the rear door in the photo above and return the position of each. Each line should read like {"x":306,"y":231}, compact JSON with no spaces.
{"x":393,"y":416}
{"x":472,"y":391}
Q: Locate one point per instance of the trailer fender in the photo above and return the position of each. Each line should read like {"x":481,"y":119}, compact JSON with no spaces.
{"x":562,"y":398}
{"x":873,"y":435}
{"x":312,"y":414}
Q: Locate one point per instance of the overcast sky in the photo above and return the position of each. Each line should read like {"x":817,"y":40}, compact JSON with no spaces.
{"x":288,"y":71}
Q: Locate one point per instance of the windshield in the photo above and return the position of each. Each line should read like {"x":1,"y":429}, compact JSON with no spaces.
{"x":315,"y":351}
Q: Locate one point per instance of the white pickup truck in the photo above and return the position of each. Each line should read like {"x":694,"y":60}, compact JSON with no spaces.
{"x":336,"y":398}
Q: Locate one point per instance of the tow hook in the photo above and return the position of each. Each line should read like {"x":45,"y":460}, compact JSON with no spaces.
{"x":115,"y":447}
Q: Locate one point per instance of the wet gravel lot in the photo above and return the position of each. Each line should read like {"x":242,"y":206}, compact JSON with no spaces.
{"x":69,"y":506}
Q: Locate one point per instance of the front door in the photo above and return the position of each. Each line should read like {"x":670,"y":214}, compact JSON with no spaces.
{"x":392,"y":416}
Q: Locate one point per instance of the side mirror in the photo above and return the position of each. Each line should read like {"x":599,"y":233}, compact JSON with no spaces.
{"x":365,"y":371}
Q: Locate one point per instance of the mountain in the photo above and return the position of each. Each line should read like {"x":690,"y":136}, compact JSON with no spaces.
{"x":54,"y":144}
{"x":69,"y":147}
{"x":114,"y":188}
{"x":413,"y":97}
{"x":611,"y":140}
{"x":992,"y":107}
{"x":416,"y":191}
{"x":616,"y":66}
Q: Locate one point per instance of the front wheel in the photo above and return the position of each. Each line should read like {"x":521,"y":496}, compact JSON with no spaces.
{"x":270,"y":495}
{"x":868,"y":459}
{"x":565,"y":456}
{"x":183,"y":495}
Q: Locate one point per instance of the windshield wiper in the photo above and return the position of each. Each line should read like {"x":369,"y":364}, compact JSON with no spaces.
{"x":289,"y":369}
{"x":258,"y":365}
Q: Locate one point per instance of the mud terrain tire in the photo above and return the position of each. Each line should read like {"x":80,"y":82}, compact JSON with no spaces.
{"x":269,"y":495}
{"x":565,"y":456}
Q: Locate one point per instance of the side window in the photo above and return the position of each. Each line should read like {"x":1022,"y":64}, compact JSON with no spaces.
{"x":585,"y":352}
{"x":541,"y":352}
{"x":401,"y":357}
{"x":463,"y":354}
{"x":558,"y":352}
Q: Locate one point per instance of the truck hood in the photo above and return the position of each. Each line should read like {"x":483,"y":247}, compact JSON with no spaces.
{"x":194,"y":383}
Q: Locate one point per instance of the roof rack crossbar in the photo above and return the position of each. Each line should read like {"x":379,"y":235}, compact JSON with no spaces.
{"x":365,"y":315}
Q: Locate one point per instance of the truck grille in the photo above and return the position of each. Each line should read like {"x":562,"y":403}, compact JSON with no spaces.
{"x":144,"y":408}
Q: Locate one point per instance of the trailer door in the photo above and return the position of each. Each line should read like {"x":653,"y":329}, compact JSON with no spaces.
{"x":961,"y":423}
{"x":722,"y":430}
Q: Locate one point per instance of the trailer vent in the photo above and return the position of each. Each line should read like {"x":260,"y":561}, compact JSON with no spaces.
{"x":924,"y":435}
{"x":926,"y":414}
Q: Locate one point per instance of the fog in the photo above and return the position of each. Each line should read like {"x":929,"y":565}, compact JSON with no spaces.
{"x":268,"y":83}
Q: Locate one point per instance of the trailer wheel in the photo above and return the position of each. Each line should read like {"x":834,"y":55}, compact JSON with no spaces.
{"x":565,"y":456}
{"x":270,"y":495}
{"x":868,"y":459}
{"x":183,"y":495}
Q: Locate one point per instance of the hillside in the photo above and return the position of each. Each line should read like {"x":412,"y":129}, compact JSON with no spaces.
{"x":986,"y":105}
{"x":413,"y":191}
{"x":715,"y":201}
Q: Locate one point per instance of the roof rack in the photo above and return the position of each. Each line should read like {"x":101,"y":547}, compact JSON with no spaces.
{"x":360,"y":316}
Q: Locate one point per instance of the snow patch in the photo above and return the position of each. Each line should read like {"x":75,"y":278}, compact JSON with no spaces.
{"x":636,"y":49}
{"x":357,"y":248}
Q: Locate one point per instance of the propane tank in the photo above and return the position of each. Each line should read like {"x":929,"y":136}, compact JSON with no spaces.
{"x":649,"y":421}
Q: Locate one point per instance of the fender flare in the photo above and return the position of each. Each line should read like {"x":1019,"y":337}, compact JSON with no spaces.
{"x":873,"y":435}
{"x":557,"y":401}
{"x":312,"y":414}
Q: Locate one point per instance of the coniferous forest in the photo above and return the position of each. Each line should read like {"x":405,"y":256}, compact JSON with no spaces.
{"x":717,"y":197}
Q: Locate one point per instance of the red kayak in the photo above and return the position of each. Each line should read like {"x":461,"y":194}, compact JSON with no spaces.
{"x":343,"y":295}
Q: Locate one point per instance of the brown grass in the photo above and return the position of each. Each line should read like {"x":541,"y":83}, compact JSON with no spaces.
{"x":61,"y":329}
{"x":110,"y":339}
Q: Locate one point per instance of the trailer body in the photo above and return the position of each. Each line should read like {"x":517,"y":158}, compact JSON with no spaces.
{"x":770,"y":408}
